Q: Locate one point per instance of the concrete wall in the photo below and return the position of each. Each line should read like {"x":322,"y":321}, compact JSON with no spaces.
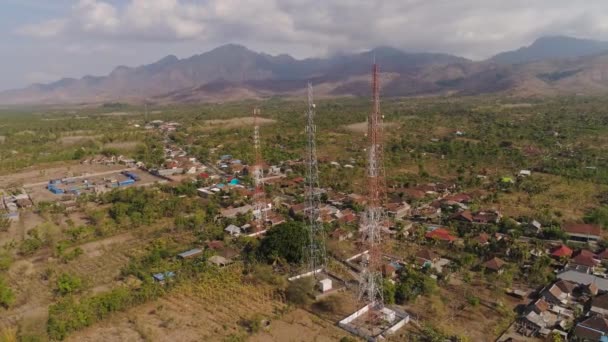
{"x":305,"y":274}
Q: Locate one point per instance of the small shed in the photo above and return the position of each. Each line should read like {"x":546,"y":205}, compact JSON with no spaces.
{"x":190,"y":254}
{"x":325,"y":285}
{"x":219,"y":261}
{"x":163,"y":277}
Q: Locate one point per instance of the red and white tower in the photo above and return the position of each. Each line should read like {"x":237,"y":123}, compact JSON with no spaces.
{"x":373,"y":217}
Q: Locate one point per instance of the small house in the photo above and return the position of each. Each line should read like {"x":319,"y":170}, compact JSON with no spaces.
{"x":594,"y":328}
{"x":560,"y":252}
{"x":233,"y":230}
{"x":398,"y":210}
{"x":440,"y":234}
{"x":495,"y":264}
{"x":582,"y":231}
{"x":426,"y":258}
{"x":599,"y":305}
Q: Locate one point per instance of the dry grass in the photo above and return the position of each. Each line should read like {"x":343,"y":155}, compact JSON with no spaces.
{"x":569,"y":199}
{"x":233,"y":123}
{"x":361,"y":127}
{"x":450,"y":311}
{"x":209,"y":310}
{"x":77,"y":139}
{"x":123,"y":145}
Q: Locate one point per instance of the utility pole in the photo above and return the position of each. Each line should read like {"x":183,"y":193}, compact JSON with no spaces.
{"x":259,"y":198}
{"x":317,"y":254}
{"x":370,"y":291}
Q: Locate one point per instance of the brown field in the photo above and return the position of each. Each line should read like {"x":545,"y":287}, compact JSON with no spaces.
{"x":18,"y":230}
{"x":571,"y":199}
{"x":450,"y":311}
{"x":77,"y":139}
{"x":99,"y":267}
{"x":123,"y":145}
{"x":233,"y":123}
{"x":361,"y":127}
{"x":214,"y":311}
{"x":119,"y":114}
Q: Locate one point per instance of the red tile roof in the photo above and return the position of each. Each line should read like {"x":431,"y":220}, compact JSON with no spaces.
{"x":483,"y":238}
{"x":495,"y":264}
{"x":584,"y":260}
{"x":582,"y":229}
{"x":460,"y":198}
{"x":464,"y":216}
{"x":440,"y":234}
{"x":561,"y":251}
{"x":603,"y":254}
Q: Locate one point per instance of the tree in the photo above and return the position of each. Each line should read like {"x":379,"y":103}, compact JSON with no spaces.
{"x":388,"y":290}
{"x":285,"y":241}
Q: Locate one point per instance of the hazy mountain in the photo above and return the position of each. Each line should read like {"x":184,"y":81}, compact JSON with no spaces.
{"x":228,"y":66}
{"x":553,"y":47}
{"x":233,"y":72}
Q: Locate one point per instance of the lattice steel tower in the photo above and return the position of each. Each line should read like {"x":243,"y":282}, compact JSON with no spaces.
{"x":317,"y":254}
{"x":259,"y":197}
{"x":371,"y":277}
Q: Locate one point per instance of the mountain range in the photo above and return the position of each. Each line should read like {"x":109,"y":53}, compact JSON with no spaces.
{"x":549,"y":66}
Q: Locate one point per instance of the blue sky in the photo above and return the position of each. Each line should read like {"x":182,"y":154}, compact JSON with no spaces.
{"x":44,"y":40}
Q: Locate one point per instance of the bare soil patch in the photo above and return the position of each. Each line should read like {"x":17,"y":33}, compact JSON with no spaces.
{"x":76,"y":139}
{"x":122,"y":145}
{"x":361,"y":127}
{"x":119,"y":114}
{"x":234,"y":123}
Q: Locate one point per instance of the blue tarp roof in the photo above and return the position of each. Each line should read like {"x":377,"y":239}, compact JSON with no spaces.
{"x":234,"y":181}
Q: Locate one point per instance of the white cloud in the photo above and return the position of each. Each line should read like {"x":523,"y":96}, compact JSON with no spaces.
{"x":473,"y":28}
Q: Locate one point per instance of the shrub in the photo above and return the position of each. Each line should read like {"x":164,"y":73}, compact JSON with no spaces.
{"x":6,"y":294}
{"x":67,"y":284}
{"x":298,"y":291}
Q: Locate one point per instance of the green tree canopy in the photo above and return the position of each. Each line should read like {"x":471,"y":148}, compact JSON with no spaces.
{"x":285,"y":241}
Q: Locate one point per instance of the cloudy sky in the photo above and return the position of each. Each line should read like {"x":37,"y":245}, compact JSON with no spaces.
{"x":44,"y":40}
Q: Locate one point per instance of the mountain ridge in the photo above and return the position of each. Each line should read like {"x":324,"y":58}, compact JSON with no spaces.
{"x":233,"y":71}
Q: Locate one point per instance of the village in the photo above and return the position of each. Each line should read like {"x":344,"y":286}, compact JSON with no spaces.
{"x":433,"y":223}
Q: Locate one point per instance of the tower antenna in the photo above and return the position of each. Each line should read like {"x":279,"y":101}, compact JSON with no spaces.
{"x":370,"y":291}
{"x":317,"y":253}
{"x":260,"y":206}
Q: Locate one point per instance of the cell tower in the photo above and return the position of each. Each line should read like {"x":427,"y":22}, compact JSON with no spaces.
{"x":317,"y":253}
{"x":146,"y":117}
{"x":370,"y":291}
{"x":259,"y":198}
